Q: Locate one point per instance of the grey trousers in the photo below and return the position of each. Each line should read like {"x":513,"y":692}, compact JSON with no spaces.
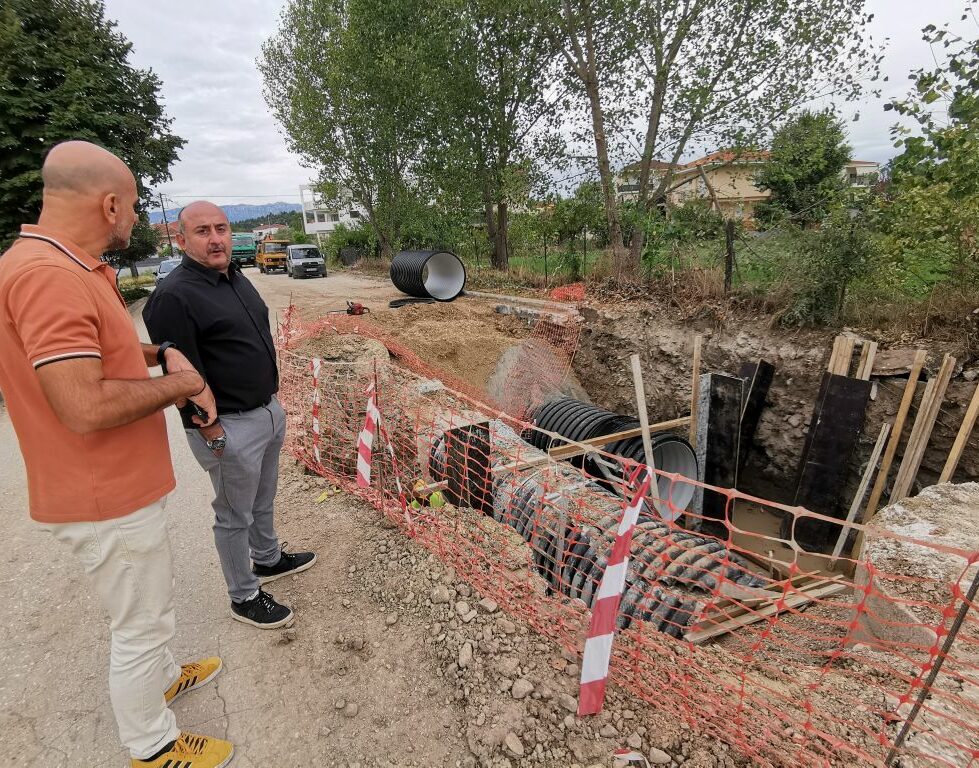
{"x":244,"y":479}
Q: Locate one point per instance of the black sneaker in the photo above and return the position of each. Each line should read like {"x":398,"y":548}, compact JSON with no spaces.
{"x":262,"y":611}
{"x":288,"y":563}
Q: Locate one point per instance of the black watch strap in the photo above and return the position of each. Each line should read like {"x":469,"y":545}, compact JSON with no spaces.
{"x":161,"y":354}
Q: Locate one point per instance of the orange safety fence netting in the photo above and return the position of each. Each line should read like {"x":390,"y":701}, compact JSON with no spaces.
{"x":789,"y":661}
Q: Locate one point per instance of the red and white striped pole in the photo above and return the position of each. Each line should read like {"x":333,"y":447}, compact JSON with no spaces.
{"x":365,"y":443}
{"x":601,"y":632}
{"x":316,"y":364}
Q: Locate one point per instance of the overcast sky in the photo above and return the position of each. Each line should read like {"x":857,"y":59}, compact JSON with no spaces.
{"x":204,"y":52}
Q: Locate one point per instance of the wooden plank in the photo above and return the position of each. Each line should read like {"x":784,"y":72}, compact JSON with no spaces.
{"x":834,"y":355}
{"x":731,"y":607}
{"x":796,"y":600}
{"x":759,"y":378}
{"x":698,"y":342}
{"x":647,"y":443}
{"x":861,"y":491}
{"x":834,"y":429}
{"x":921,"y":432}
{"x":902,"y":414}
{"x":971,"y":414}
{"x":846,"y":356}
{"x":578,"y":448}
{"x":867,"y":356}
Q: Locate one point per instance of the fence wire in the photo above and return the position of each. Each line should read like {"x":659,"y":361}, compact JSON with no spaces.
{"x":789,"y":662}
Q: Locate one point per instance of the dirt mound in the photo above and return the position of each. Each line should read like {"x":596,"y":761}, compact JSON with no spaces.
{"x":464,"y":337}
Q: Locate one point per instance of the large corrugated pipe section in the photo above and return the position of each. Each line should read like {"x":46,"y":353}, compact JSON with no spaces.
{"x":436,"y":275}
{"x":671,"y":572}
{"x":580,"y":421}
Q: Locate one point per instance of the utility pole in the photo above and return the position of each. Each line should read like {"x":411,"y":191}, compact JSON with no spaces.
{"x":166,"y":224}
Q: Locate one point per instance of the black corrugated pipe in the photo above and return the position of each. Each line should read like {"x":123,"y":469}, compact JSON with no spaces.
{"x":580,"y":421}
{"x":436,"y":275}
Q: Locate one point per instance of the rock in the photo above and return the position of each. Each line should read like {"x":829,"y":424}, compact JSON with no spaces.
{"x":391,"y":619}
{"x":340,"y":703}
{"x":568,"y":702}
{"x":571,"y":670}
{"x":513,"y":744}
{"x":521,"y":689}
{"x":463,"y":608}
{"x":357,"y":643}
{"x":465,"y":655}
{"x":506,"y":626}
{"x":508,"y":666}
{"x":487,"y":604}
{"x":464,"y":589}
{"x":795,"y":420}
{"x":351,"y":710}
{"x":659,"y":757}
{"x":440,"y":594}
{"x":609,"y":731}
{"x":634,"y":741}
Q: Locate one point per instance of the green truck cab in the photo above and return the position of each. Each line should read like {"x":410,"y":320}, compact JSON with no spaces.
{"x":243,"y":249}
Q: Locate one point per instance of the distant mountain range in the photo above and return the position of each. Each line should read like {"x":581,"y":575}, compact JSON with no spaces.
{"x":235,"y":212}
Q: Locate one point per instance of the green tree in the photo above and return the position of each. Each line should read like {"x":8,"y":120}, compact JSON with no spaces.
{"x":492,"y":106}
{"x":932,"y":208}
{"x":804,"y":170}
{"x":343,"y":78}
{"x":667,"y":76}
{"x":64,"y":75}
{"x":142,"y":244}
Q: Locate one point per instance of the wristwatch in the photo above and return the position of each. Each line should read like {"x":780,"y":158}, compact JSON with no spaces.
{"x":161,"y":354}
{"x":218,"y":443}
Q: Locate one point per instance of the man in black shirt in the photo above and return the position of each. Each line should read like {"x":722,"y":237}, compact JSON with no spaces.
{"x":211,"y":312}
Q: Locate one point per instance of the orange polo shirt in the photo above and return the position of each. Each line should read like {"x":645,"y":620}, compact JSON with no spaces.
{"x":57,"y":302}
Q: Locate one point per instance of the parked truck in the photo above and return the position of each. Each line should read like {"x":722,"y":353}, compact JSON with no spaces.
{"x":271,"y":255}
{"x":243,"y":248}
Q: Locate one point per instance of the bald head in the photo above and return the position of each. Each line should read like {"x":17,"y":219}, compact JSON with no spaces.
{"x":89,"y":195}
{"x":205,"y":235}
{"x":82,"y":168}
{"x":197,"y":210}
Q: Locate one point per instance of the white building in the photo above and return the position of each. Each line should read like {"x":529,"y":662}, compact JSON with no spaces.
{"x":321,"y":218}
{"x":268,"y":229}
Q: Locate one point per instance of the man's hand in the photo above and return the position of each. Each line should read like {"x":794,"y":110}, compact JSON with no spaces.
{"x":177,"y":361}
{"x":211,"y":432}
{"x":205,"y":401}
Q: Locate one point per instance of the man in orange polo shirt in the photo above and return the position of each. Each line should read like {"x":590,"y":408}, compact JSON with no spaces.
{"x":90,"y":425}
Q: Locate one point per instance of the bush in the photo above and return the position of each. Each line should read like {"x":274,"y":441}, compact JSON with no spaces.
{"x":360,"y":237}
{"x":133,"y":293}
{"x":846,"y":249}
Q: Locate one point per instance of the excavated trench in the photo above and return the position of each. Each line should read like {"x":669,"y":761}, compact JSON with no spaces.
{"x":665,"y":346}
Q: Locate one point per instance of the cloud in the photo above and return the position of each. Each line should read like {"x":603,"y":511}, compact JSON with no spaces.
{"x":205,"y":51}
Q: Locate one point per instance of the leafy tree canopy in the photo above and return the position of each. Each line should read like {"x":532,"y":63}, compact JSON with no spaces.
{"x":64,"y":74}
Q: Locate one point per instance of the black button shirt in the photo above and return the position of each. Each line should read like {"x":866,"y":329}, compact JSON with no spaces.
{"x":222,"y":325}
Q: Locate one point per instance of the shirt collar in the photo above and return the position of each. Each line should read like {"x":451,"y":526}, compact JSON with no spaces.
{"x":80,"y":256}
{"x":212,"y":276}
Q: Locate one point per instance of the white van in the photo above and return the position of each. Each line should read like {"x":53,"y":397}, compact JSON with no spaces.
{"x":304,"y":261}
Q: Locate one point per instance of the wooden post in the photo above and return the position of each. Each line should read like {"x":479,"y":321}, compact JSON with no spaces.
{"x":867,"y":357}
{"x":921,"y":432}
{"x":861,"y":492}
{"x":729,"y":254}
{"x":902,"y":415}
{"x":698,"y":341}
{"x":961,"y":438}
{"x":831,"y":365}
{"x":647,"y":442}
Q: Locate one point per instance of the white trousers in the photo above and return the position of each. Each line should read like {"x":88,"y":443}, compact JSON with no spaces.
{"x":128,"y":561}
